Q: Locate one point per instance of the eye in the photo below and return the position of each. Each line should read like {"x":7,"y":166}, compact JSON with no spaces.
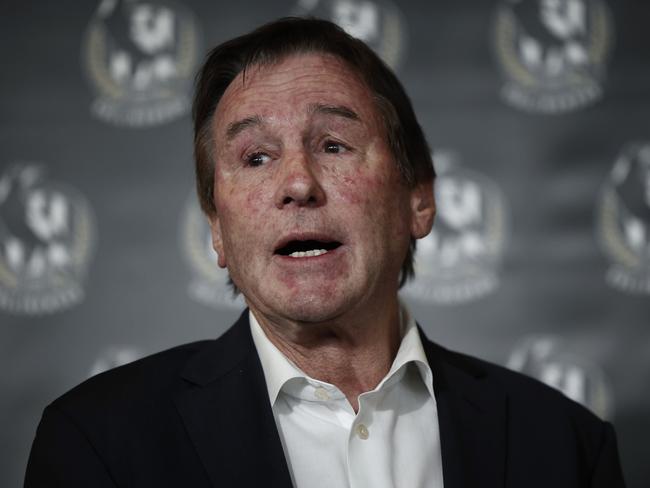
{"x":257,"y":159}
{"x":333,"y":147}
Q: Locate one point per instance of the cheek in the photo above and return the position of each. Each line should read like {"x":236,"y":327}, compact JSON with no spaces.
{"x":360,"y":189}
{"x":234,"y":200}
{"x":381,"y":200}
{"x":232,"y":227}
{"x":253,"y":202}
{"x":373,"y":204}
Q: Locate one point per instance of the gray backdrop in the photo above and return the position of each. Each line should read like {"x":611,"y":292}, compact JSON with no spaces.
{"x":537,"y":113}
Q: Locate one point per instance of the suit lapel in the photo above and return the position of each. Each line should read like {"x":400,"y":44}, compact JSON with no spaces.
{"x":472,"y":420}
{"x":227,"y":414}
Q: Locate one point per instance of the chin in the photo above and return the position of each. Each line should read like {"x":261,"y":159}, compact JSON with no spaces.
{"x":320,"y":306}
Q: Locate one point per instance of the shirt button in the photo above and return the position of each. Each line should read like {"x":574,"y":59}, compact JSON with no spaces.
{"x":362,"y":432}
{"x":321,"y":393}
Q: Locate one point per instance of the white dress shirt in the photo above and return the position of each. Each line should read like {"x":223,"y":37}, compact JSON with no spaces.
{"x":393,"y":440}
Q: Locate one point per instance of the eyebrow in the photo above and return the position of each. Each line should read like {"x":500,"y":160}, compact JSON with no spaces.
{"x":338,"y":110}
{"x":237,"y":127}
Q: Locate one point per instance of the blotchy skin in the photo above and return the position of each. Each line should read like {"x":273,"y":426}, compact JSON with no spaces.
{"x":301,"y":153}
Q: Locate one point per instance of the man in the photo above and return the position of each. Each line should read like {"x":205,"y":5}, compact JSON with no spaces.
{"x":316,"y":179}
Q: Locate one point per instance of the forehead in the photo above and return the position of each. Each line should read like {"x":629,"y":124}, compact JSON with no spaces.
{"x":284,"y":90}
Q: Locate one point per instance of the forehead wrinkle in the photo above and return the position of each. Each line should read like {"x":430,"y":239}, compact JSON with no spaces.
{"x":337,"y":110}
{"x":235,"y":128}
{"x":280,"y":84}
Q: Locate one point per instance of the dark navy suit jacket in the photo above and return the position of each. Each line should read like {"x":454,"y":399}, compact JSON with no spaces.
{"x":199,"y":415}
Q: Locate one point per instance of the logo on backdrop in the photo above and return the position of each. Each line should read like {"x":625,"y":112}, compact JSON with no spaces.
{"x":114,"y":356}
{"x":209,"y":284}
{"x":623,"y":220}
{"x":378,"y":23}
{"x":551,"y":360}
{"x":459,"y":260}
{"x":140,"y":57}
{"x":552,"y":53}
{"x":47,"y":233}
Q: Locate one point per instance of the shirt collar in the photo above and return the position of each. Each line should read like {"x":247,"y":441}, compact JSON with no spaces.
{"x":279,"y":370}
{"x":410,"y":351}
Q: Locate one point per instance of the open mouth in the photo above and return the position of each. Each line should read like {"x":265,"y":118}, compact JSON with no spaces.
{"x":307,"y":248}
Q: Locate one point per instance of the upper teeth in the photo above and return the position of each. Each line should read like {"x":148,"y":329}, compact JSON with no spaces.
{"x":305,"y":254}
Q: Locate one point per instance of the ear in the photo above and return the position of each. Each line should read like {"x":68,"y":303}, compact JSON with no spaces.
{"x":423,"y":209}
{"x":217,"y":240}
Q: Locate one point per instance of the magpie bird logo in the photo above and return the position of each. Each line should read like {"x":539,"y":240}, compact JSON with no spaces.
{"x":209,"y":283}
{"x":140,"y":57}
{"x":623,"y":220}
{"x":552,"y":53}
{"x":459,"y":260}
{"x":553,"y":361}
{"x":47,"y":234}
{"x":114,"y":356}
{"x":378,"y":23}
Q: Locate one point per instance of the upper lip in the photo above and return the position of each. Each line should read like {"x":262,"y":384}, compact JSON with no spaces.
{"x":305,"y":236}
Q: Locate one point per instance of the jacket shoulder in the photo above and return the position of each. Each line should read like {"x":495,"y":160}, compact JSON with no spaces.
{"x":526,"y":395}
{"x":540,"y":423}
{"x":133,"y":386}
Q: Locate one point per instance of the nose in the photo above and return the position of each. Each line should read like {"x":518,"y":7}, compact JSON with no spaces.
{"x":298,"y":184}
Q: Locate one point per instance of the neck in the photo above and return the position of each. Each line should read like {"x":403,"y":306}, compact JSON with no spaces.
{"x":354,"y":353}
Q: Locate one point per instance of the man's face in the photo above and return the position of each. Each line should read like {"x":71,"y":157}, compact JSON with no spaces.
{"x":312,"y":218}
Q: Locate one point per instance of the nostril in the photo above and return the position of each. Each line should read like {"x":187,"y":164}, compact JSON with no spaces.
{"x":299,"y":192}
